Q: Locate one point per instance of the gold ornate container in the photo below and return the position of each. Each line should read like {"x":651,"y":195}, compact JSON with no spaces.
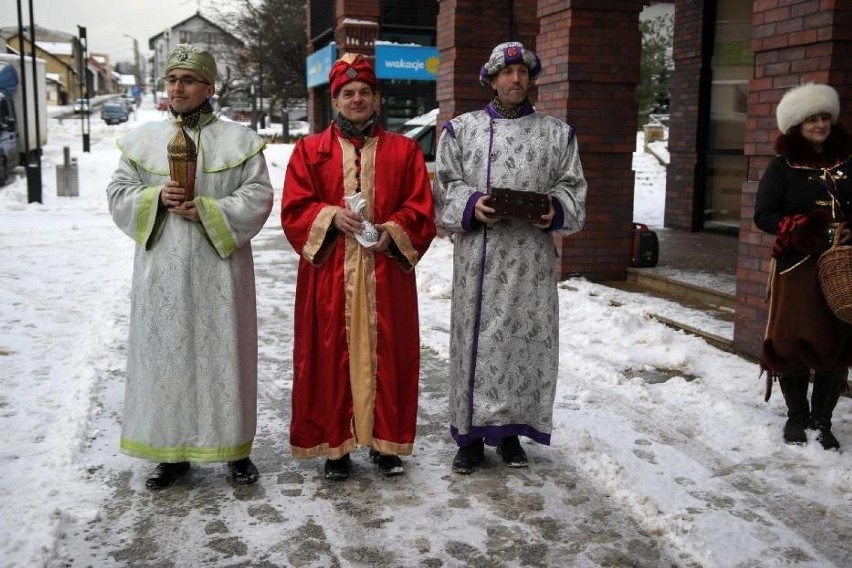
{"x":183,"y":157}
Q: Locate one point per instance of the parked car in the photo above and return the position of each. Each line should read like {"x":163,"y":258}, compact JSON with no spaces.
{"x":422,"y":130}
{"x":114,"y":112}
{"x":81,"y":105}
{"x":129,"y":101}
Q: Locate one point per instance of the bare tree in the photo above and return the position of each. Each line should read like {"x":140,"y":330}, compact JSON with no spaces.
{"x":275,"y":36}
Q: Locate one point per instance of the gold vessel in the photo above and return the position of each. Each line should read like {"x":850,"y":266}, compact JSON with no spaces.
{"x":183,"y":157}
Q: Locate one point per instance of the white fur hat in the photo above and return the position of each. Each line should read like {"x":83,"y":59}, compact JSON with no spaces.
{"x":803,"y":101}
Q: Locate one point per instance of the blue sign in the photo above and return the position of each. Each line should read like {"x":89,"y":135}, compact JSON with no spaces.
{"x":319,"y":64}
{"x":412,"y":62}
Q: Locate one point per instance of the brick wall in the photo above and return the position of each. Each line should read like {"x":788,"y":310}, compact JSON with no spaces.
{"x":590,"y":51}
{"x":590,"y":54}
{"x":466,"y":36}
{"x":683,"y":206}
{"x":793,"y":43}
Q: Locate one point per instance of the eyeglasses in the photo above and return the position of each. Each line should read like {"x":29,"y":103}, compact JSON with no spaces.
{"x":185,"y":81}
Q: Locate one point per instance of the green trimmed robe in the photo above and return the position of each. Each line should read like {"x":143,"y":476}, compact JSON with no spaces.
{"x":191,"y":392}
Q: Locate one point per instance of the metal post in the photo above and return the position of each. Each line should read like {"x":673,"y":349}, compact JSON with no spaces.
{"x":83,"y":83}
{"x":34,"y":161}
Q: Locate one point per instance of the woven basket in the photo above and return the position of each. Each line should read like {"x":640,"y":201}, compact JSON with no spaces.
{"x":835,"y":278}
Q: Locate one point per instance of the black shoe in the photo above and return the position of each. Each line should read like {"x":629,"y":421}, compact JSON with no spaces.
{"x":469,"y":458}
{"x":827,"y":439}
{"x":388,"y":465}
{"x":166,"y":474}
{"x":824,"y":436}
{"x":338,"y":469}
{"x":512,"y":452}
{"x":794,"y":432}
{"x":243,"y":471}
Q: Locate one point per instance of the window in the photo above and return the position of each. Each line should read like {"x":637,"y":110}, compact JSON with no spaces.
{"x":733,"y":66}
{"x":409,"y":13}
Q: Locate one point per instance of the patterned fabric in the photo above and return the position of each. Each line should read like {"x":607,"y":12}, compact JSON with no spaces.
{"x":192,"y":352}
{"x":507,"y":112}
{"x":192,"y":119}
{"x":504,"y":345}
{"x":509,"y":53}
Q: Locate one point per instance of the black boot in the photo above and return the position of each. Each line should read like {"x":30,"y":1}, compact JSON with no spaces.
{"x":824,"y":398}
{"x":512,"y":452}
{"x":337,"y":470}
{"x":166,"y":474}
{"x":389,"y":465}
{"x":469,"y":458}
{"x":243,"y":471}
{"x":795,"y":390}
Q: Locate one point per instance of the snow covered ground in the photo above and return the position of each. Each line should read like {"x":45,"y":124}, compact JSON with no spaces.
{"x":671,"y":430}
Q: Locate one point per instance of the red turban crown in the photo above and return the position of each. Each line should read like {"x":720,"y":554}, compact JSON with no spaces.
{"x":351,"y":67}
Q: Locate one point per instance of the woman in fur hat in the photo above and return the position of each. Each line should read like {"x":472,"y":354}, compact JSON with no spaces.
{"x":803,"y":194}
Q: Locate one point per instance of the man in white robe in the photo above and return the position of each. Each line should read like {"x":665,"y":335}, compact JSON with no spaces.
{"x":191,"y":393}
{"x":504,"y":346}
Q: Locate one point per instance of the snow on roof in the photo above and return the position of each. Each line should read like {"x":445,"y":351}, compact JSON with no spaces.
{"x":56,"y":47}
{"x":359,"y":22}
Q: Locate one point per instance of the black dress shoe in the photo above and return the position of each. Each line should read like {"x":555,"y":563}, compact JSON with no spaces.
{"x":166,"y":474}
{"x":512,"y":452}
{"x":469,"y":458}
{"x":388,"y":465}
{"x":243,"y":471}
{"x":338,"y":469}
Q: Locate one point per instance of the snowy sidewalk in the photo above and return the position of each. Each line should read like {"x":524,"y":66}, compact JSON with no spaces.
{"x":663,"y":453}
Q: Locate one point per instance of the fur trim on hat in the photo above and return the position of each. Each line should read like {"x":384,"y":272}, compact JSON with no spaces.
{"x":803,"y":101}
{"x":509,"y":53}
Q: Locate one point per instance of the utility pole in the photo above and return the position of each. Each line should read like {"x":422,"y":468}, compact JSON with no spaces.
{"x":135,"y":59}
{"x":83,"y":80}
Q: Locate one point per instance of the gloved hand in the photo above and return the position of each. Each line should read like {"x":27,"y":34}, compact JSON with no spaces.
{"x":811,"y":236}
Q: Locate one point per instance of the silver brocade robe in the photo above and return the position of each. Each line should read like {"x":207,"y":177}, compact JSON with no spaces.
{"x":504,"y":344}
{"x":191,"y":392}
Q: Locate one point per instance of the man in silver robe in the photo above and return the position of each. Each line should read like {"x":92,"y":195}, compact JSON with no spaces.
{"x":191,"y":393}
{"x":504,"y":346}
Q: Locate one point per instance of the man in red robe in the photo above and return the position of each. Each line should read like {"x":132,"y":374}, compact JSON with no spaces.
{"x":357,"y":207}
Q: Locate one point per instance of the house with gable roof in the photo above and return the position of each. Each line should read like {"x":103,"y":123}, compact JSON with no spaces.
{"x":199,"y":31}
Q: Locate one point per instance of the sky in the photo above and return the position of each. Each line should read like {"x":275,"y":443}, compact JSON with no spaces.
{"x":106,"y":22}
{"x":660,"y":428}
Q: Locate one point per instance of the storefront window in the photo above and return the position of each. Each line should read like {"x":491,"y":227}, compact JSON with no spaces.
{"x":733,"y":67}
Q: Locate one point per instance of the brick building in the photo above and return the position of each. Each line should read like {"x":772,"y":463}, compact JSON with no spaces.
{"x":733,"y":61}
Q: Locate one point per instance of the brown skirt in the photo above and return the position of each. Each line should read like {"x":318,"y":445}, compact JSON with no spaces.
{"x":802,"y":333}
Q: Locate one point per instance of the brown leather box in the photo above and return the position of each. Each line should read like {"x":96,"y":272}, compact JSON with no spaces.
{"x":513,"y":204}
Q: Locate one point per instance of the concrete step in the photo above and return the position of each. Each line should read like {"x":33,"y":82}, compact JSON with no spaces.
{"x":720,"y":305}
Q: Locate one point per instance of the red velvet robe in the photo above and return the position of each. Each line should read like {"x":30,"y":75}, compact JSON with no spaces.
{"x":356,"y":353}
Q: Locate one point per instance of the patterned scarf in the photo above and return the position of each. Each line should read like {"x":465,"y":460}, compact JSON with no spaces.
{"x":191,"y":119}
{"x":353,"y":133}
{"x":522,"y":110}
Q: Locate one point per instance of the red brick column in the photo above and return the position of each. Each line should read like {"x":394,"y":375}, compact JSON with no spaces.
{"x":683,"y":205}
{"x":467,"y":33}
{"x":793,"y":44}
{"x":590,"y":51}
